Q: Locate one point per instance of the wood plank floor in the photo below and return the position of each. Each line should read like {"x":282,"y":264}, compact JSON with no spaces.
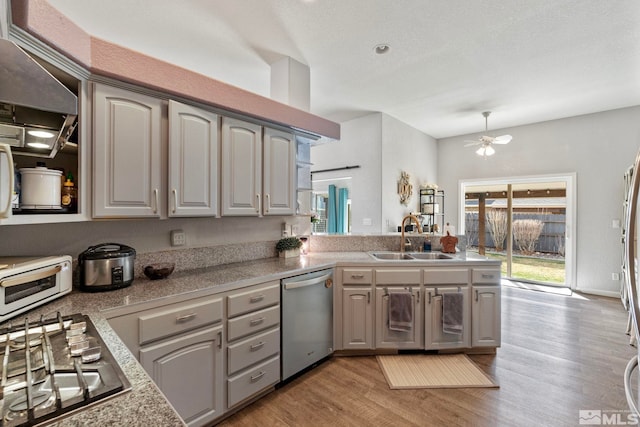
{"x":559,"y":355}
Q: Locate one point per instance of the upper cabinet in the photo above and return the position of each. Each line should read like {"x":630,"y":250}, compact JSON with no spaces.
{"x":127,"y":160}
{"x":193,"y":161}
{"x":257,"y":171}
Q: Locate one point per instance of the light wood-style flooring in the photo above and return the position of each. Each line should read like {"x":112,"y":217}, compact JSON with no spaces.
{"x":559,"y":355}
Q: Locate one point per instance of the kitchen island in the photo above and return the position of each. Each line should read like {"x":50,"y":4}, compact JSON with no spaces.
{"x":145,"y":404}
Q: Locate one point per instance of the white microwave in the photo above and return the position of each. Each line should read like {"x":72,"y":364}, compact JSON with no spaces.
{"x":6,"y":180}
{"x":27,"y":282}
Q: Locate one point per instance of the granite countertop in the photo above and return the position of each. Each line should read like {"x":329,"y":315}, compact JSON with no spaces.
{"x":145,"y":404}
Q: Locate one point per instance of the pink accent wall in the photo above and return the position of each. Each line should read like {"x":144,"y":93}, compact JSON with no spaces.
{"x":43,"y":21}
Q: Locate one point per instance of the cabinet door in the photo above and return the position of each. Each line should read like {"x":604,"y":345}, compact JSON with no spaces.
{"x":434,"y":336}
{"x":485,"y":316}
{"x":189,"y":371}
{"x":193,"y":161}
{"x":279,"y":179}
{"x":357,"y":318}
{"x":127,"y":157}
{"x":241,"y":166}
{"x":388,"y":338}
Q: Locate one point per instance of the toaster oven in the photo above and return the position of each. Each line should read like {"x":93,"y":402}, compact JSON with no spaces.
{"x":27,"y":282}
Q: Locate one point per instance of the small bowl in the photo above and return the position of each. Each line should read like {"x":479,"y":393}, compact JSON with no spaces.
{"x":159,"y":271}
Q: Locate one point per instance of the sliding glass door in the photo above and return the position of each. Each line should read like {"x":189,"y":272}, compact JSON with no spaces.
{"x":526,"y":222}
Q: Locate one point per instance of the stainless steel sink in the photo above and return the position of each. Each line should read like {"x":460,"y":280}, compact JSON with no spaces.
{"x":391,"y":255}
{"x":410,"y":256}
{"x":429,"y":255}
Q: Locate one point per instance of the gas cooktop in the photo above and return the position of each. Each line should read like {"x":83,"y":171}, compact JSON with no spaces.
{"x":51,"y":368}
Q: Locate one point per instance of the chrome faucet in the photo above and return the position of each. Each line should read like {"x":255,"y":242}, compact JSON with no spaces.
{"x":402,"y":238}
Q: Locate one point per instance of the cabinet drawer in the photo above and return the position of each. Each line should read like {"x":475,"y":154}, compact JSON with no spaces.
{"x":254,"y":299}
{"x":487,"y":276}
{"x":251,"y":382}
{"x":442,"y":276}
{"x":173,"y":319}
{"x":354,"y":276}
{"x":252,"y":350}
{"x":253,"y":322}
{"x":398,"y":276}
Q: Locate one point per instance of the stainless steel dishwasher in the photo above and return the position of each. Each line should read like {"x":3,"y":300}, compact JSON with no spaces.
{"x":307,"y":320}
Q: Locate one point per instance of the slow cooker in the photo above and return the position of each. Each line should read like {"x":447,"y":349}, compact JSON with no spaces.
{"x":106,"y":266}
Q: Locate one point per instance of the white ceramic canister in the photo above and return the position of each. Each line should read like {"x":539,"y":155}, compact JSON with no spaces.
{"x":40,"y":188}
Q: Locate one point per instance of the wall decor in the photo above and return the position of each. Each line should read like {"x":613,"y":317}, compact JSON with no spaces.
{"x":405,"y":189}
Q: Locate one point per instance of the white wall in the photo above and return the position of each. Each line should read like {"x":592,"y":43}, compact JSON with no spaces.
{"x":383,"y":147}
{"x":597,"y":147}
{"x":404,"y":149}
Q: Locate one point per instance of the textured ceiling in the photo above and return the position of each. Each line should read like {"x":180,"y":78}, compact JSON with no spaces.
{"x":526,"y":61}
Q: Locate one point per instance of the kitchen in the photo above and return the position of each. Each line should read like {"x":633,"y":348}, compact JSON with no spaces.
{"x":573,"y":134}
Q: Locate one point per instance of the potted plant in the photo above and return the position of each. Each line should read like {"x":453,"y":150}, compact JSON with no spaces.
{"x":289,"y":247}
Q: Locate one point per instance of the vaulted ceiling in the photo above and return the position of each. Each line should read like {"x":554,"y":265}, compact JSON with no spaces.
{"x":449,"y":60}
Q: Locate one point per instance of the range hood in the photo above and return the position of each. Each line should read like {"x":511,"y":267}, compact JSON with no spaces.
{"x":37,"y":112}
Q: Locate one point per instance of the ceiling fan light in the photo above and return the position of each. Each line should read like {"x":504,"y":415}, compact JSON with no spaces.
{"x":480,"y":151}
{"x":489,"y":151}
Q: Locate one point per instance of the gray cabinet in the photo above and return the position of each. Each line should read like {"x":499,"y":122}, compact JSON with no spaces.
{"x":181,"y":346}
{"x":257,"y":170}
{"x":193,"y":161}
{"x":357,"y":318}
{"x":486,"y":308}
{"x":127,"y":159}
{"x":389,"y":338}
{"x":434,"y":336}
{"x":188,"y":370}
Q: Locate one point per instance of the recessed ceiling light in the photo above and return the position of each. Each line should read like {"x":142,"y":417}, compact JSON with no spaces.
{"x":381,"y":49}
{"x":37,"y":145}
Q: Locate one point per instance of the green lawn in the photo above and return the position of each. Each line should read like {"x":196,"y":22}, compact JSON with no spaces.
{"x":531,"y":268}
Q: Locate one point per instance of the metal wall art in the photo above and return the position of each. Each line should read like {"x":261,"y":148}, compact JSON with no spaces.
{"x":405,"y":189}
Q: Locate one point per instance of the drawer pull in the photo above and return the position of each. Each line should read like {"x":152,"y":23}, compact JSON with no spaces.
{"x":357,"y":276}
{"x":256,"y":298}
{"x":258,"y":346}
{"x":185,"y":318}
{"x":487,"y":276}
{"x":256,"y":377}
{"x":255,"y":322}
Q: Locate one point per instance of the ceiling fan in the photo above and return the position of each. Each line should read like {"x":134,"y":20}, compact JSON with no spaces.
{"x":485,"y":142}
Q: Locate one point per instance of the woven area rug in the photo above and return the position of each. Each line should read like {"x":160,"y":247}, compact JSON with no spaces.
{"x":432,"y":371}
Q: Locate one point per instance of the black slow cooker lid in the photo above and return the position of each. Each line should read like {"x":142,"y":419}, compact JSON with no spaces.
{"x":107,"y":250}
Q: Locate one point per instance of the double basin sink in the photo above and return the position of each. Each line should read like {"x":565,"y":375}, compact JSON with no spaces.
{"x":409,"y":256}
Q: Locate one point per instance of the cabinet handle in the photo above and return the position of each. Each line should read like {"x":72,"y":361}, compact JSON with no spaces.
{"x":369,"y":297}
{"x":258,"y":200}
{"x":266,"y":203}
{"x":257,"y":346}
{"x":175,"y":200}
{"x":185,"y":318}
{"x":219,"y":339}
{"x":418,"y":302}
{"x":255,"y":378}
{"x":357,"y":276}
{"x":476,"y":295}
{"x":255,"y":322}
{"x":487,"y":276}
{"x":155,"y":200}
{"x":429,"y":297}
{"x":256,"y":298}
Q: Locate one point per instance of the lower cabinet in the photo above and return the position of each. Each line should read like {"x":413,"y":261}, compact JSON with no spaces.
{"x":386,"y":337}
{"x":357,"y":318}
{"x":485,"y":316}
{"x":188,"y":369}
{"x":435,"y":337}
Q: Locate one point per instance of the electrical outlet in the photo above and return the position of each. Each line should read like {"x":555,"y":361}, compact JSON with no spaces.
{"x":178,"y":238}
{"x":615,"y":276}
{"x":294,"y":229}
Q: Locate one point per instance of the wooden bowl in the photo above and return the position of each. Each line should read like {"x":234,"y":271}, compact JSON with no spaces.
{"x":159,"y":271}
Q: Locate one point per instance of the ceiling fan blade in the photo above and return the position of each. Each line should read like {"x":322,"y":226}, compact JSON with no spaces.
{"x":502,"y":139}
{"x":470,"y":143}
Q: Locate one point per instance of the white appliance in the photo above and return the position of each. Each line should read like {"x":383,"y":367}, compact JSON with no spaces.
{"x":27,"y":282}
{"x":631,"y":293}
{"x":307,"y":320}
{"x":6,"y":180}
